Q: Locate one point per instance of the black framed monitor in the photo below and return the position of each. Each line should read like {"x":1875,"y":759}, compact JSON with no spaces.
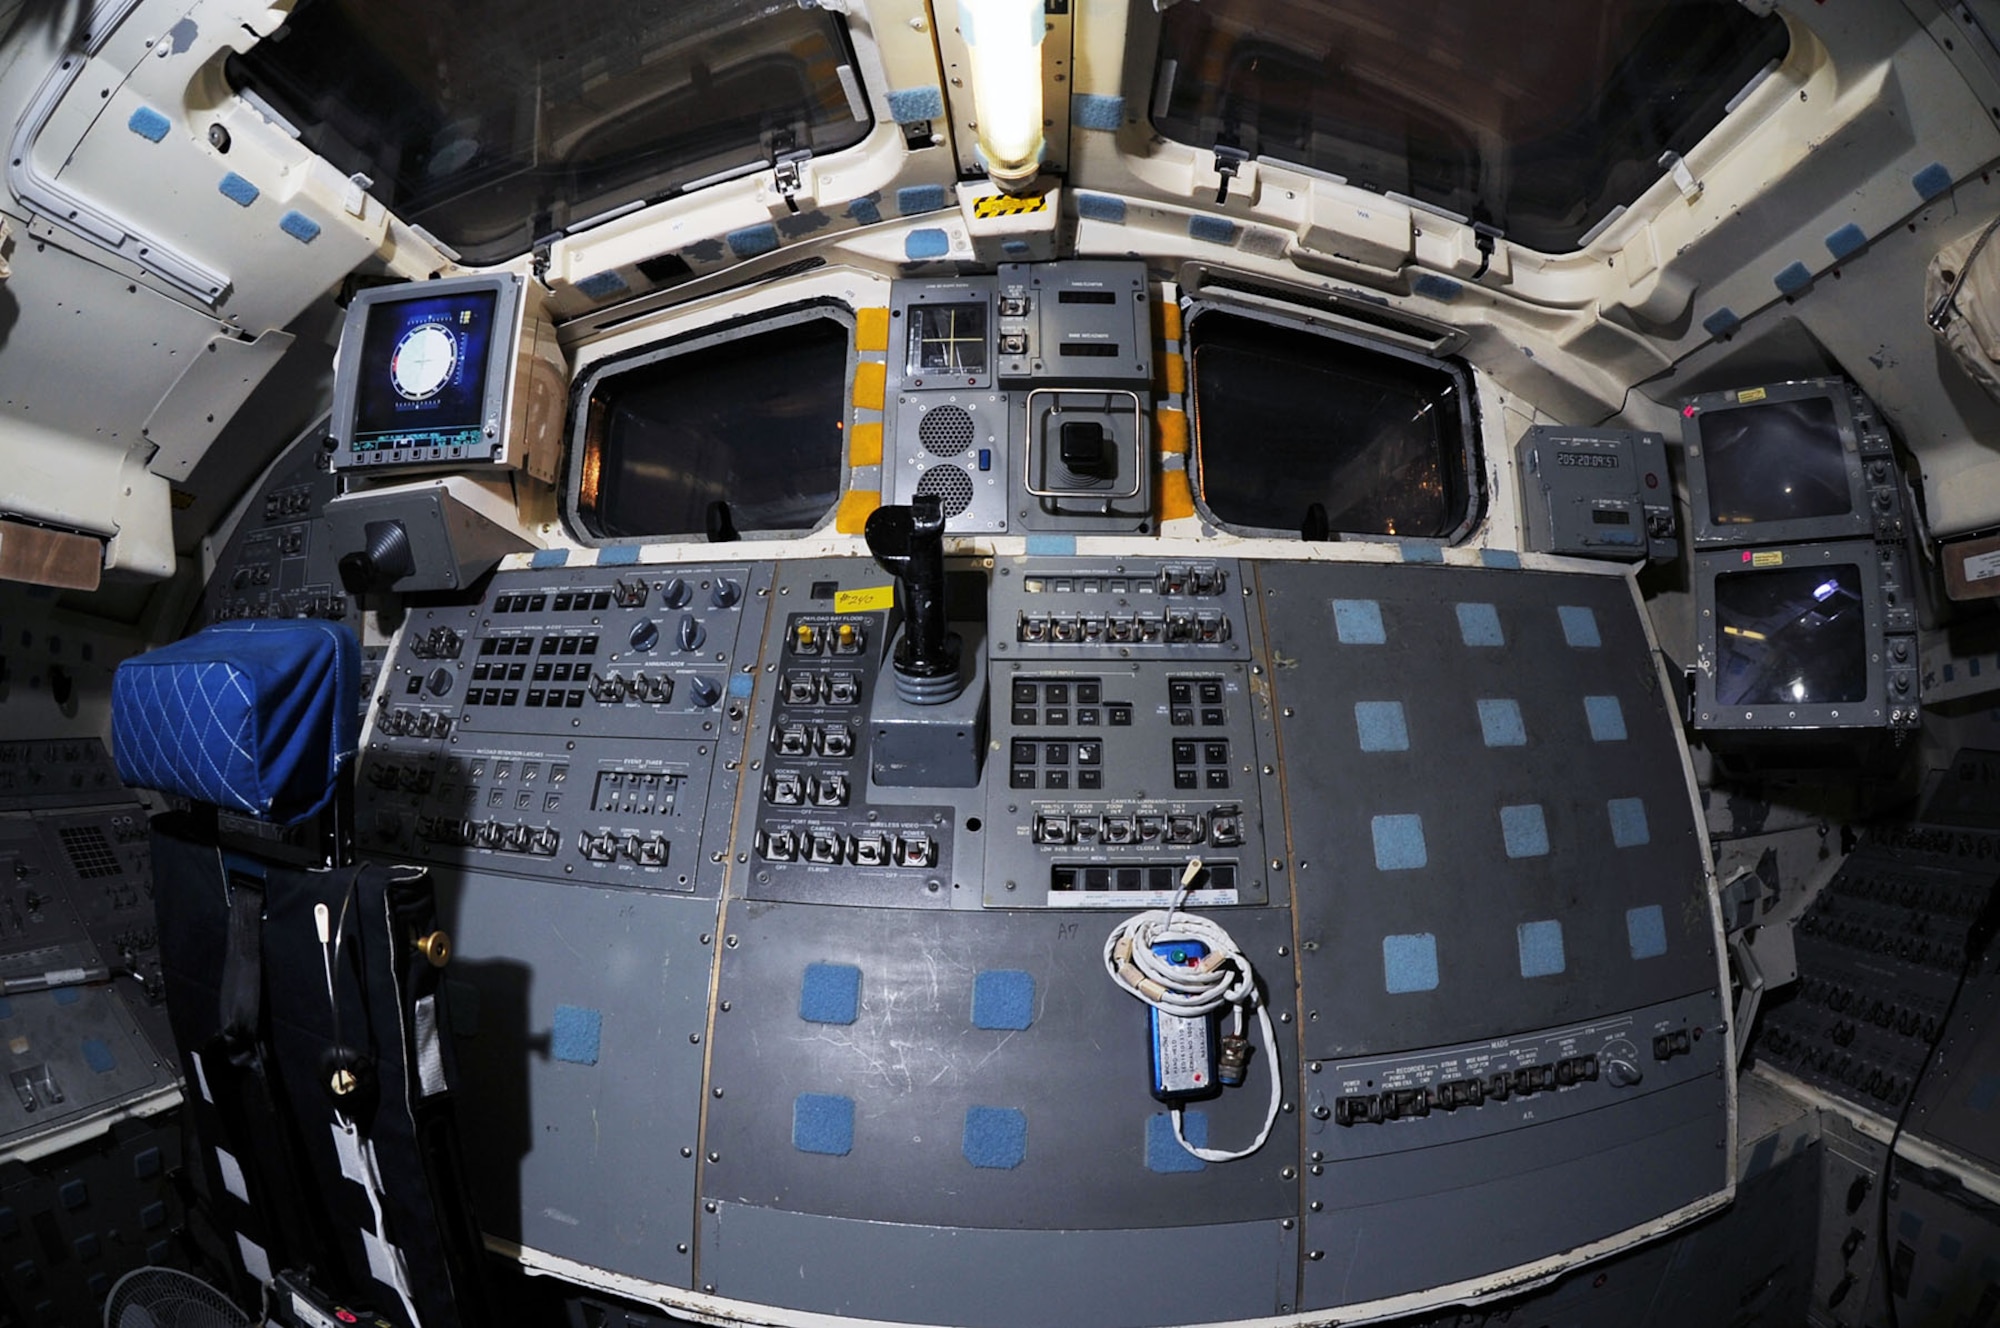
{"x":1804,"y":460}
{"x":1801,"y":637}
{"x":461,"y":372}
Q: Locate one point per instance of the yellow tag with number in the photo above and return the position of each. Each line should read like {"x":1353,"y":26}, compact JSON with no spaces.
{"x":1768,"y":558}
{"x":1749,"y":394}
{"x":864,"y":601}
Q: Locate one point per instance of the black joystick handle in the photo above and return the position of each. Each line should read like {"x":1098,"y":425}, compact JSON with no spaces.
{"x":909,"y":544}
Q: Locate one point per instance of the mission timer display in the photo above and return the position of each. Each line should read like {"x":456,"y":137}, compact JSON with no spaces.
{"x":422,"y":373}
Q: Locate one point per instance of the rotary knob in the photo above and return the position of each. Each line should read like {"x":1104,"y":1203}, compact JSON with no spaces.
{"x":691,"y":633}
{"x":704,"y":692}
{"x":645,"y":635}
{"x":676,"y":593}
{"x":725,"y":594}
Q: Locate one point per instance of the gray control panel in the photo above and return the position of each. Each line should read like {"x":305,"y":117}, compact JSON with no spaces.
{"x":1597,"y":493}
{"x":576,"y":725}
{"x":1023,"y":400}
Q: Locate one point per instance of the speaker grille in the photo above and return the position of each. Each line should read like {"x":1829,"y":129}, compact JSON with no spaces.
{"x":945,"y":431}
{"x":952,"y":486}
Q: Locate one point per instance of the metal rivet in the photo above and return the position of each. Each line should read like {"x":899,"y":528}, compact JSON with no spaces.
{"x":1318,"y":1156}
{"x":708,"y":1288}
{"x":706,"y":938}
{"x":1314,"y":1067}
{"x":1320,"y":1113}
{"x":730,"y":941}
{"x":1284,"y":1016}
{"x":1286,"y":1224}
{"x":724,"y":1007}
{"x":715,"y":1157}
{"x":695,"y":1038}
{"x":1316,"y":1255}
{"x":717,"y":1092}
{"x":680,"y":1249}
{"x":1316,"y":1205}
{"x":1318,"y":1170}
{"x":1284,"y":950}
{"x":1288,"y":712}
{"x":687,"y":1152}
{"x":1288,"y":1108}
{"x":710,"y":1205}
{"x":1288,"y":1173}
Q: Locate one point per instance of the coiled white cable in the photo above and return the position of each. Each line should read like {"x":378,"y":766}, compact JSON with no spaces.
{"x":1224,"y":979}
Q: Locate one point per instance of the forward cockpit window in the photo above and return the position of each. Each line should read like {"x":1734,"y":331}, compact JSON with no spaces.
{"x":1538,"y":119}
{"x":493,"y":126}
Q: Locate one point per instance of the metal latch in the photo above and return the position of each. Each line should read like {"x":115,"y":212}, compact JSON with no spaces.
{"x":786,"y":158}
{"x":1684,"y":179}
{"x":1228,"y":160}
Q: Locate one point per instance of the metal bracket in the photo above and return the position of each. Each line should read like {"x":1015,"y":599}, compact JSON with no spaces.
{"x":1228,"y":160}
{"x":786,"y":158}
{"x":1676,"y":166}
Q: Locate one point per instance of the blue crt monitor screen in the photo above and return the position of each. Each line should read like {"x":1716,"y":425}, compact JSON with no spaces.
{"x":421,"y":378}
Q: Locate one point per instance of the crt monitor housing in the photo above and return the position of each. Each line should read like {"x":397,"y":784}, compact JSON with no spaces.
{"x":1788,"y":462}
{"x":1804,"y":636}
{"x":459,"y":372}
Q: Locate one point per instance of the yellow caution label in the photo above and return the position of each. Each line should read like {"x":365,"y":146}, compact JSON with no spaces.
{"x":1006,"y":205}
{"x":864,"y":601}
{"x":1751,"y":394}
{"x":1765,"y":558}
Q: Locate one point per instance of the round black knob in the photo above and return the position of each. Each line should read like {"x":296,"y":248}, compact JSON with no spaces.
{"x":676,"y":593}
{"x":704,"y":692}
{"x":691,"y":633}
{"x":725,"y":594}
{"x":645,"y":635}
{"x":439,"y":681}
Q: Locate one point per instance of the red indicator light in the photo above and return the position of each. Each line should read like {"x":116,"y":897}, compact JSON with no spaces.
{"x":1688,"y":411}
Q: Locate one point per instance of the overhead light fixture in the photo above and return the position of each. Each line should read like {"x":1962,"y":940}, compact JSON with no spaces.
{"x":1003,"y":39}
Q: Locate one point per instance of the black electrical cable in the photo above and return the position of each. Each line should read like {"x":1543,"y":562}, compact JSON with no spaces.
{"x":1977,"y":936}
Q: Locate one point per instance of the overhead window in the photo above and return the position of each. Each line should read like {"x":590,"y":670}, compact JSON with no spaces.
{"x":1536,"y":118}
{"x":494,"y":126}
{"x":743,"y":428}
{"x":1299,"y":429}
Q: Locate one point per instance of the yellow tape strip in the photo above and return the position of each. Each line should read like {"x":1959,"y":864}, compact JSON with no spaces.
{"x":1176,"y":496}
{"x":871,"y":379}
{"x":871,"y":329}
{"x":864,"y":444}
{"x":864,"y":601}
{"x":1176,"y":374}
{"x":855,"y":505}
{"x":1170,"y":319}
{"x":1000,"y":205}
{"x":1172,"y":427}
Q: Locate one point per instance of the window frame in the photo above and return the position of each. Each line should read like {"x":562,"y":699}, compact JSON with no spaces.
{"x":578,"y":422}
{"x":1470,"y":458}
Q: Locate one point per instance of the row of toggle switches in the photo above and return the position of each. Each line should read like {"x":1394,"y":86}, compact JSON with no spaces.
{"x":1409,"y":1103}
{"x":1222,"y":827}
{"x":831,"y":848}
{"x":540,"y":841}
{"x":1174,"y":627}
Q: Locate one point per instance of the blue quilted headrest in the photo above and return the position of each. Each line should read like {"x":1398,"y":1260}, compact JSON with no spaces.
{"x":254,"y":716}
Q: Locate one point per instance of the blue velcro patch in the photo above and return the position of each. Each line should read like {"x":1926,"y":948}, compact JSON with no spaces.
{"x":867,"y":210}
{"x":1003,"y":998}
{"x":1500,"y":723}
{"x":1847,"y":240}
{"x":1793,"y":278}
{"x":927,"y":242}
{"x":238,"y":190}
{"x":1164,"y":1153}
{"x":909,"y":105}
{"x":1479,"y":625}
{"x":579,"y":1032}
{"x":543,"y":558}
{"x":1057,"y":546}
{"x":1410,"y":963}
{"x":1435,"y":287}
{"x":1382,"y":726}
{"x":1646,"y":931}
{"x":146,"y":1164}
{"x":149,"y":123}
{"x":67,"y":995}
{"x":618,"y":555}
{"x":830,"y":994}
{"x":1722,"y":322}
{"x":603,"y":285}
{"x":1985,"y":1094}
{"x":299,"y":226}
{"x":1090,"y":110}
{"x":10,"y":1223}
{"x":1628,"y":822}
{"x":1909,"y":1226}
{"x":823,"y":1123}
{"x":750,"y":241}
{"x":6,"y":1008}
{"x":1525,"y":830}
{"x":1541,"y":945}
{"x":1950,"y":1247}
{"x":1931,"y":181}
{"x":1101,"y":207}
{"x":1607,"y":718}
{"x":74,"y":1194}
{"x":1579,"y":626}
{"x":153,"y":1216}
{"x":87,"y":1246}
{"x":1014,"y":248}
{"x":97,"y":1055}
{"x":741,"y":684}
{"x":1358,"y":622}
{"x":914,"y":198}
{"x":1399,"y":842}
{"x":1505,"y":558}
{"x":1215,"y":230}
{"x":1421,"y":551}
{"x":995,"y":1137}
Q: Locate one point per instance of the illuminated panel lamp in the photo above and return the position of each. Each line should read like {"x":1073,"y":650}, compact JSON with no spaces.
{"x":1003,"y":39}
